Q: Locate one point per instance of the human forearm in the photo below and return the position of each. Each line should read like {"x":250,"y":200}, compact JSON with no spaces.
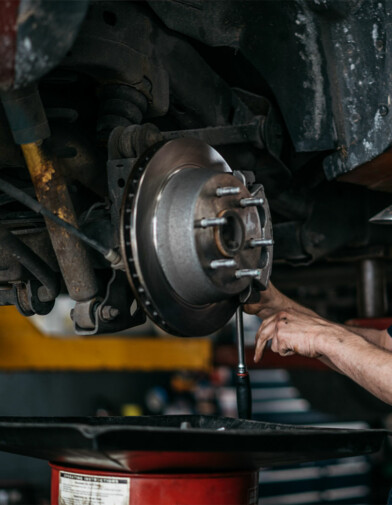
{"x":362,"y":361}
{"x":294,"y":332}
{"x":376,"y":337}
{"x":379,"y":338}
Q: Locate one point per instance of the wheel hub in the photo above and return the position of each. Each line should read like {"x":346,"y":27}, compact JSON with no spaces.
{"x":194,"y":237}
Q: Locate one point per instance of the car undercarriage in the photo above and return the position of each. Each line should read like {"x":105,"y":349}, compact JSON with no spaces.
{"x":158,"y":157}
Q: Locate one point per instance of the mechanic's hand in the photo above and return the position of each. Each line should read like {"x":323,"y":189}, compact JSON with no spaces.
{"x":292,"y":332}
{"x":271,"y":301}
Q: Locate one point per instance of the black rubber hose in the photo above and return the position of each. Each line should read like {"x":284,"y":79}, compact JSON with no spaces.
{"x":33,"y":263}
{"x":32,"y":204}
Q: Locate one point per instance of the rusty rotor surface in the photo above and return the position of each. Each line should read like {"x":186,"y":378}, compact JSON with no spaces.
{"x":187,"y":247}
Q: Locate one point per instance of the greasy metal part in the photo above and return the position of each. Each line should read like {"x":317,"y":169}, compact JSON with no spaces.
{"x":117,"y":55}
{"x":52,"y":193}
{"x":169,"y":192}
{"x":231,"y":190}
{"x":84,"y":315}
{"x":7,"y":296}
{"x":121,"y":105}
{"x":26,"y":115}
{"x":35,"y":236}
{"x":108,"y":313}
{"x":112,"y":313}
{"x":78,"y":158}
{"x":258,"y":242}
{"x":109,"y":254}
{"x":212,"y":221}
{"x":372,"y":296}
{"x":27,"y":299}
{"x":248,"y":273}
{"x":29,"y":125}
{"x":223,"y":135}
{"x":315,"y":40}
{"x":249,"y":202}
{"x":34,"y":38}
{"x":128,"y":141}
{"x":21,"y":299}
{"x":132,"y":141}
{"x":34,"y":264}
{"x":383,"y":217}
{"x":244,"y":394}
{"x":223,"y":264}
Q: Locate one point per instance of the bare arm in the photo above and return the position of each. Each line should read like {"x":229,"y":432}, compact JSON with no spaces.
{"x":366,"y":364}
{"x":293,"y":332}
{"x":379,"y":338}
{"x":273,"y":301}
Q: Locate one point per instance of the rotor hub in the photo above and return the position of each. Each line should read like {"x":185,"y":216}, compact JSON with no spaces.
{"x":194,"y":237}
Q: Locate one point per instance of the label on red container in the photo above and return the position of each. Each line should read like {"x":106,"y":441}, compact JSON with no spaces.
{"x":82,"y":489}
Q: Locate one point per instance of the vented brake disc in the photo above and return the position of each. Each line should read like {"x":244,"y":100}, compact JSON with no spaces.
{"x":193,"y":237}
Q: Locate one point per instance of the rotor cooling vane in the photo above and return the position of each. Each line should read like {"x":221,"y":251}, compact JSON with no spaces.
{"x":194,"y":237}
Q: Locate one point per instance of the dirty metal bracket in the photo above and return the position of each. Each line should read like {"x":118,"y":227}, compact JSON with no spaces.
{"x":113,"y":313}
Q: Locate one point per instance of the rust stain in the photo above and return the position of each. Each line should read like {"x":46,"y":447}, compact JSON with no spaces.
{"x":40,"y":167}
{"x":343,"y":151}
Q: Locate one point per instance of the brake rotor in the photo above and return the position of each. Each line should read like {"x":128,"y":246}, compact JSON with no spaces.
{"x":193,"y":237}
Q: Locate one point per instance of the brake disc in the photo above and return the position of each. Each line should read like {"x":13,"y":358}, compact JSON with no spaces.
{"x":193,"y":237}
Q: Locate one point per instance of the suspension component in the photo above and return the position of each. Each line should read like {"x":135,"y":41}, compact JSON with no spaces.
{"x":29,"y":126}
{"x":121,"y":105}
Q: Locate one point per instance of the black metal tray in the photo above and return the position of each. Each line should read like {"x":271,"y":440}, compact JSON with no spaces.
{"x":178,"y":443}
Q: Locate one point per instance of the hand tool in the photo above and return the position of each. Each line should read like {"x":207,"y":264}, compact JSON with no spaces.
{"x":244,"y":395}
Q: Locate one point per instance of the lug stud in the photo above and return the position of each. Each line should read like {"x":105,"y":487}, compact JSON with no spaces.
{"x":256,"y":273}
{"x":229,"y":190}
{"x":251,"y":202}
{"x":215,"y":264}
{"x":259,"y":242}
{"x":212,"y":221}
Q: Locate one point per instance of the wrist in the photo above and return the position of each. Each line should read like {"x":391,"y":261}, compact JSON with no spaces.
{"x":322,"y":342}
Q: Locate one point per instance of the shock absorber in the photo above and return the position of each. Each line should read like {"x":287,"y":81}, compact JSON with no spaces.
{"x":121,"y":105}
{"x":30,"y":128}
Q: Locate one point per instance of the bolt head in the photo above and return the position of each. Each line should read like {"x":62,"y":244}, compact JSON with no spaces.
{"x":108,"y":313}
{"x":383,"y":110}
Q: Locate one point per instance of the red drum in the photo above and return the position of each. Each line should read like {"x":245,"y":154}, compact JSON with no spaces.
{"x":74,"y":486}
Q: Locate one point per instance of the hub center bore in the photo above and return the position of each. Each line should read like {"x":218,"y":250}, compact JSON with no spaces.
{"x":230,"y":237}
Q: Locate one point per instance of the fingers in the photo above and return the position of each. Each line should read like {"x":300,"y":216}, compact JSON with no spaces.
{"x":265,"y":328}
{"x":265,"y":332}
{"x":259,"y":349}
{"x":267,"y":302}
{"x":269,"y":330}
{"x":252,"y":308}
